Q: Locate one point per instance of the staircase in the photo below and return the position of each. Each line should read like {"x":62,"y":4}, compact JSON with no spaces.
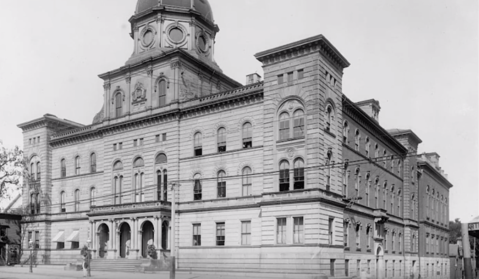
{"x":117,"y":265}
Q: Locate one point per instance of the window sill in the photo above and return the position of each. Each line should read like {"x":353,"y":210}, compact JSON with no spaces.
{"x":329,"y":133}
{"x":290,"y":140}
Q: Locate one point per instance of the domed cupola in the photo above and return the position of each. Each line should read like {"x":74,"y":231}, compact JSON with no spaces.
{"x":162,"y":25}
{"x":200,"y":6}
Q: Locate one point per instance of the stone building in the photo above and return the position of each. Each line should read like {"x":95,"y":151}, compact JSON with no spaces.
{"x":282,"y":175}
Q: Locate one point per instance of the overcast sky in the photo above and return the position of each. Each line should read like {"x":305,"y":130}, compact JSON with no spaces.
{"x":418,"y":58}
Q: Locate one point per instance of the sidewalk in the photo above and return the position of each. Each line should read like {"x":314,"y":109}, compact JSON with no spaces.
{"x":57,"y":272}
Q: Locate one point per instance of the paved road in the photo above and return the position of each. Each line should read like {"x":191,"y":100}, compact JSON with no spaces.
{"x":57,"y":272}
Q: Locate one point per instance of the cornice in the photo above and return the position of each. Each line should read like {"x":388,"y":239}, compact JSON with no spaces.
{"x":359,"y":116}
{"x":434,"y":173}
{"x":310,"y":44}
{"x":49,"y":121}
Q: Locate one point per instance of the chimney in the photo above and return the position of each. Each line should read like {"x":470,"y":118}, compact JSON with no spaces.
{"x":252,"y":78}
{"x":371,"y":107}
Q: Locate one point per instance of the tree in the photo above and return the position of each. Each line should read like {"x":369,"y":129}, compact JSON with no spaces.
{"x":454,"y":230}
{"x":12,"y":166}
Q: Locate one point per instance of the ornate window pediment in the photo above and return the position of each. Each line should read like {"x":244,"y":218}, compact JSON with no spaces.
{"x":139,"y":93}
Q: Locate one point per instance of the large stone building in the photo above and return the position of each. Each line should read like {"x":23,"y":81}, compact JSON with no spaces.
{"x":282,"y":175}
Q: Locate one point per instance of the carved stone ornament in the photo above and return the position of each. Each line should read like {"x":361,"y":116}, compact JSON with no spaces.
{"x":291,"y":152}
{"x":139,"y":93}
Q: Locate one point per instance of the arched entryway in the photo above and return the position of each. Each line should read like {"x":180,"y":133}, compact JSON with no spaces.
{"x":125,"y":243}
{"x":147,"y":237}
{"x":103,"y":238}
{"x":164,"y":235}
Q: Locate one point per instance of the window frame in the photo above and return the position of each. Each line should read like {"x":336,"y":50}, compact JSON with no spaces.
{"x":246,"y":234}
{"x":162,"y":93}
{"x":77,"y":165}
{"x":93,"y":162}
{"x":281,"y":230}
{"x":298,"y":230}
{"x":220,"y":234}
{"x":198,"y":144}
{"x":284,"y":176}
{"x":196,"y":235}
{"x":221,"y":184}
{"x":221,"y":139}
{"x":197,"y":188}
{"x":247,"y":181}
{"x":247,"y":135}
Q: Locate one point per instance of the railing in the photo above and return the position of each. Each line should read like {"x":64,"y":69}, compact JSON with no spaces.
{"x":129,"y":206}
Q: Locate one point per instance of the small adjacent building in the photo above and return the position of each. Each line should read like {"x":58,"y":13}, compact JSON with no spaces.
{"x":10,"y":238}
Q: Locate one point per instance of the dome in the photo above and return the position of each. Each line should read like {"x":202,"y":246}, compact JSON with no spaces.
{"x":201,"y":6}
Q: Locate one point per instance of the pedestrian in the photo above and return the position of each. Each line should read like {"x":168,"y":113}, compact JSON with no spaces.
{"x":85,"y":264}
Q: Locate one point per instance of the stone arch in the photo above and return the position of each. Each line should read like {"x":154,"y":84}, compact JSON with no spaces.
{"x":147,"y":236}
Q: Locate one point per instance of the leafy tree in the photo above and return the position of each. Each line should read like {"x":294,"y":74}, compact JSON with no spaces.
{"x":454,"y":230}
{"x":12,"y":166}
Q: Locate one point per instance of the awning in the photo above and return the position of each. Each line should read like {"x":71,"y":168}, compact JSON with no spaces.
{"x":74,"y":237}
{"x":59,"y":237}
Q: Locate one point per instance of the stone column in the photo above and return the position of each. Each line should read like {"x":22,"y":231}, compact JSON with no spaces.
{"x":156,"y":233}
{"x":140,"y":237}
{"x":92,"y":239}
{"x":160,"y":232}
{"x":111,"y":240}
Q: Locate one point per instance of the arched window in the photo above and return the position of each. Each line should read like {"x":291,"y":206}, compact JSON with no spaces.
{"x":247,"y":135}
{"x":368,"y":237}
{"x":162,"y":92}
{"x":367,"y":147}
{"x":165,"y":185}
{"x":32,"y":203}
{"x":358,"y":236}
{"x":93,"y":162}
{"x":357,"y":181}
{"x":392,"y":241}
{"x":357,"y":139}
{"x":298,"y":174}
{"x":92,"y":197}
{"x":118,"y":165}
{"x":221,"y":140}
{"x":221,"y":182}
{"x":139,"y":163}
{"x":329,"y":117}
{"x":77,"y":165}
{"x":38,"y":171}
{"x":284,"y":176}
{"x":32,"y":171}
{"x":118,"y":104}
{"x":197,"y":189}
{"x":400,"y":243}
{"x":62,"y":202}
{"x":376,"y":150}
{"x":63,"y":168}
{"x":376,"y":194}
{"x":37,"y":203}
{"x":284,"y":126}
{"x":77,"y":200}
{"x":298,"y":126}
{"x":198,"y":144}
{"x":345,"y":132}
{"x":161,"y":159}
{"x":385,"y":159}
{"x":247,"y":181}
{"x":368,"y":187}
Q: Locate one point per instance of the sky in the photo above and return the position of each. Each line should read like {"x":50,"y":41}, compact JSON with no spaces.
{"x":419,"y":59}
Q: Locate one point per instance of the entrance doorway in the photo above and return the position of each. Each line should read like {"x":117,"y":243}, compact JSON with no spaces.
{"x":125,"y":236}
{"x":164,"y":235}
{"x":103,"y":238}
{"x":147,"y":238}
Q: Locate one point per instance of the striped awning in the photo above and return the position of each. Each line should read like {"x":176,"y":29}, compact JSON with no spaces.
{"x":74,"y":237}
{"x":60,"y":237}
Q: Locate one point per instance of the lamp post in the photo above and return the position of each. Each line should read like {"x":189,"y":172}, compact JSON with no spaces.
{"x":88,"y":258}
{"x":31,"y":255}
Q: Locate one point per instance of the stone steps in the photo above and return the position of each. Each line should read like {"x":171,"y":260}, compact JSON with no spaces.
{"x":117,"y":265}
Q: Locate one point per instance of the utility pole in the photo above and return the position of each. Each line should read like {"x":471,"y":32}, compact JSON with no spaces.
{"x":173,"y":250}
{"x":466,"y":245}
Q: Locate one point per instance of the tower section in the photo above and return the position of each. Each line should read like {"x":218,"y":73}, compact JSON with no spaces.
{"x":161,"y":25}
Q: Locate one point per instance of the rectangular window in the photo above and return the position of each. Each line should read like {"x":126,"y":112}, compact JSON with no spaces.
{"x":75,"y":245}
{"x":345,"y":234}
{"x":386,"y":269}
{"x":346,"y":267}
{"x":300,"y":74}
{"x":135,"y":142}
{"x":394,"y":263}
{"x":30,"y":235}
{"x":298,"y":230}
{"x":330,"y":230}
{"x":164,"y":136}
{"x":157,"y":138}
{"x":246,"y":233}
{"x":141,"y":142}
{"x":196,"y":234}
{"x":60,"y":245}
{"x":114,"y":147}
{"x":290,"y":77}
{"x":120,"y":145}
{"x":280,"y":79}
{"x":369,"y":266}
{"x":37,"y":240}
{"x":38,"y":140}
{"x":197,"y":190}
{"x":358,"y":267}
{"x":331,"y":267}
{"x":30,"y":141}
{"x":220,"y":234}
{"x":281,"y":231}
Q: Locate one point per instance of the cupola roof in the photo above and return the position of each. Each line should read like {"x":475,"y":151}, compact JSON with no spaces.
{"x":200,"y":6}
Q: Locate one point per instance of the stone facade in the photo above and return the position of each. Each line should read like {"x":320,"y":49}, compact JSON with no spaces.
{"x":269,"y":177}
